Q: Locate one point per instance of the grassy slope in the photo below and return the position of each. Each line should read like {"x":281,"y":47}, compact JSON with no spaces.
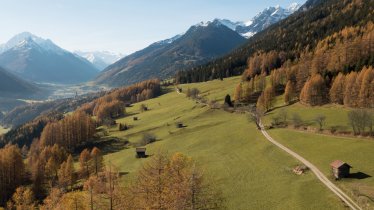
{"x":252,"y":173}
{"x":335,"y":115}
{"x":216,"y":89}
{"x":322,"y":150}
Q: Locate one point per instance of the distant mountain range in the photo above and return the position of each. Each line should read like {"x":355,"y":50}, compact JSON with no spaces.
{"x":40,"y":60}
{"x":100,"y":59}
{"x":201,"y":43}
{"x":162,"y":59}
{"x":261,"y":21}
{"x":14,"y":87}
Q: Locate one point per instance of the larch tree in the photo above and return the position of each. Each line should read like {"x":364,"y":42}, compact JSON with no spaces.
{"x":238,"y":92}
{"x":66,"y":174}
{"x":365,"y":89}
{"x":350,"y":92}
{"x":12,"y":171}
{"x":84,"y":163}
{"x":23,"y":199}
{"x":97,"y":161}
{"x":269,"y":95}
{"x":260,"y":105}
{"x":314,"y":91}
{"x":337,"y":89}
{"x":289,"y":94}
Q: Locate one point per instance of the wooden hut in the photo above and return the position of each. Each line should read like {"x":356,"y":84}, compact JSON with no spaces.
{"x":135,"y":118}
{"x":179,"y":125}
{"x":140,"y":152}
{"x":340,"y":169}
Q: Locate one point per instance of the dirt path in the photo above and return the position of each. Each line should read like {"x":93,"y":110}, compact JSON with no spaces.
{"x":344,"y":197}
{"x":336,"y":190}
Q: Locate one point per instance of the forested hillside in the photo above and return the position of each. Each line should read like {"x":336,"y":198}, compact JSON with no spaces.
{"x":338,"y":70}
{"x":292,"y":38}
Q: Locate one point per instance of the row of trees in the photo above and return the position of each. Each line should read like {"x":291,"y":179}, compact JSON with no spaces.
{"x":70,"y":132}
{"x":172,"y":183}
{"x":247,"y":90}
{"x":354,"y":89}
{"x":112,"y":105}
{"x":314,"y":78}
{"x":12,"y":171}
{"x":163,"y":183}
{"x":51,"y":172}
{"x":26,"y":133}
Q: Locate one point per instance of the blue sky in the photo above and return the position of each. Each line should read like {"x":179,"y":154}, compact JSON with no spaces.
{"x":118,"y":25}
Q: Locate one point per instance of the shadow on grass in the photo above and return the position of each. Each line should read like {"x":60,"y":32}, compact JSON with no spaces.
{"x":123,"y":173}
{"x":358,"y":175}
{"x":106,"y":145}
{"x":281,"y":106}
{"x":130,"y":114}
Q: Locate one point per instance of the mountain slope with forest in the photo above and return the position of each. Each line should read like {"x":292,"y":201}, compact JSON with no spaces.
{"x":162,"y":59}
{"x":292,"y":36}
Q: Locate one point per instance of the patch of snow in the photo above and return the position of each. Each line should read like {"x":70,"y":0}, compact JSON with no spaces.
{"x":100,"y":56}
{"x":170,"y":40}
{"x":248,"y":34}
{"x":203,"y":24}
{"x":248,"y":23}
{"x":294,"y":7}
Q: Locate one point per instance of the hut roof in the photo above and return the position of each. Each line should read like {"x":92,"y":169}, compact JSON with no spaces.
{"x":140,"y":149}
{"x":338,"y":164}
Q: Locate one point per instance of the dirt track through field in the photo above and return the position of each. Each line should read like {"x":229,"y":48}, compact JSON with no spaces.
{"x":336,"y":190}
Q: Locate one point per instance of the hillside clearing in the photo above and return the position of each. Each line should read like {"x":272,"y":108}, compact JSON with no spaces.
{"x":336,"y":115}
{"x":251,"y":172}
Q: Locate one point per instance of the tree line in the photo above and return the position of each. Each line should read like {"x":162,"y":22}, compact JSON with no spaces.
{"x":72,"y":131}
{"x":338,"y":70}
{"x":23,"y":135}
{"x":164,"y":182}
{"x":113,"y":104}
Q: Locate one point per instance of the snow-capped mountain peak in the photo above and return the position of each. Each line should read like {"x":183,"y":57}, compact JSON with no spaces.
{"x":261,"y":21}
{"x":27,"y":38}
{"x":294,"y":7}
{"x":33,"y":58}
{"x":100,"y":59}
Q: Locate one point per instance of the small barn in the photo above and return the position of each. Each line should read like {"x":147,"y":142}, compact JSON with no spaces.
{"x":179,"y":125}
{"x":140,"y":152}
{"x":340,"y":169}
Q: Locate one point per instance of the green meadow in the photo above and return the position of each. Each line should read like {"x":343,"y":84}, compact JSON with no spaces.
{"x":321,"y":150}
{"x":250,"y":172}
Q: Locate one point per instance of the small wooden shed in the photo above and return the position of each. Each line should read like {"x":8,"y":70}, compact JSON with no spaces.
{"x":179,"y":125}
{"x":140,"y":152}
{"x":340,"y":169}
